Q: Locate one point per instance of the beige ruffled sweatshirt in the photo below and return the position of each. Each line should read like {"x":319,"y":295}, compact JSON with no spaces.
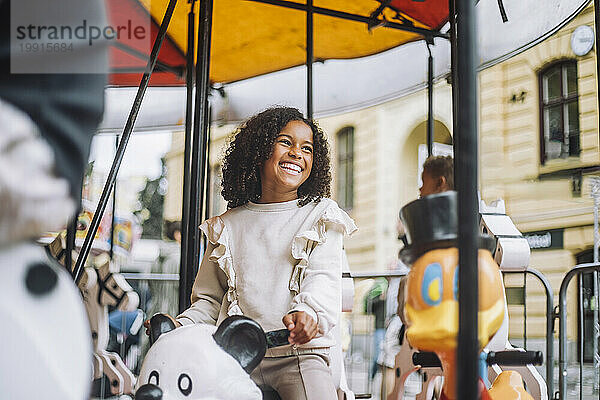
{"x":266,"y":260}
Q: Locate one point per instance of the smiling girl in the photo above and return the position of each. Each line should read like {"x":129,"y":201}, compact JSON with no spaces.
{"x":276,"y":255}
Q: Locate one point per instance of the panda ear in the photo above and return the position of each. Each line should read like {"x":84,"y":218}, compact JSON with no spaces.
{"x":244,"y":339}
{"x":159,"y":324}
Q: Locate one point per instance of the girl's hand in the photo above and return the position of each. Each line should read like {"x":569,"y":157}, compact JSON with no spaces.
{"x":302,"y":327}
{"x":147,"y":324}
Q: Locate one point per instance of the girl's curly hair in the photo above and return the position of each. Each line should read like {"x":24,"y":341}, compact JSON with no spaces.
{"x":252,"y":145}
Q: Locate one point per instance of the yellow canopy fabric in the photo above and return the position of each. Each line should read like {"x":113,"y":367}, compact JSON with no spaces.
{"x":251,"y":39}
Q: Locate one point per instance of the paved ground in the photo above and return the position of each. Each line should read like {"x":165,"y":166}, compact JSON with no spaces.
{"x":573,"y":389}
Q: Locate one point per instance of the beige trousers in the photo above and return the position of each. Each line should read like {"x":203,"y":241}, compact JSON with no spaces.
{"x":297,"y":377}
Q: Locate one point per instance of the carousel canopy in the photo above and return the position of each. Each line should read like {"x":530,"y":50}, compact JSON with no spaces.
{"x":343,"y":85}
{"x":250,"y":38}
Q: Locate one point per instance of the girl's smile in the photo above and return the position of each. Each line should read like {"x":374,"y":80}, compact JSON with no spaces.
{"x":291,"y":168}
{"x":290,"y":164}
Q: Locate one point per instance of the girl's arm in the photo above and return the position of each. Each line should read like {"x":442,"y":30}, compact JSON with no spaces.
{"x":320,"y":288}
{"x":207,"y":293}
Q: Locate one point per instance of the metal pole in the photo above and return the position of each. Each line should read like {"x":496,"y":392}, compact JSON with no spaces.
{"x":468,"y":228}
{"x":187,"y":161}
{"x":198,"y":155}
{"x":429,"y":102}
{"x":112,"y":176}
{"x":205,"y":183}
{"x":407,"y":27}
{"x":595,"y":183}
{"x":549,"y":330}
{"x":580,"y":331}
{"x":70,"y":242}
{"x":453,"y":76}
{"x":549,"y":327}
{"x":597,"y":29}
{"x":525,"y":311}
{"x":309,"y":58}
{"x":596,"y":238}
{"x":111,"y":252}
{"x":208,"y":183}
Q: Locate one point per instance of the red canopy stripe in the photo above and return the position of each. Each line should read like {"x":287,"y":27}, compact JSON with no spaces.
{"x":129,"y":56}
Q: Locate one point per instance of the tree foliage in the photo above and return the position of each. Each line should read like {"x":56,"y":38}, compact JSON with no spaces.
{"x":151,"y":201}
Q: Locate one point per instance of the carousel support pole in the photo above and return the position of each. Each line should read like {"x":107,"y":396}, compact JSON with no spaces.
{"x":205,"y":185}
{"x":187,"y":161}
{"x":208,"y":183}
{"x":111,"y":252}
{"x":453,"y":75}
{"x":112,"y":176}
{"x":468,"y":227}
{"x":70,"y":242}
{"x":200,"y":130}
{"x":429,"y":101}
{"x":309,"y":58}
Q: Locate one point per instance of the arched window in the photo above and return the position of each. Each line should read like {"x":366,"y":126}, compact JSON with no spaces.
{"x":559,"y":111}
{"x":345,"y":167}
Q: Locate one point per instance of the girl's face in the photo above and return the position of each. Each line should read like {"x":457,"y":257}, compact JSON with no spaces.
{"x":290,"y":164}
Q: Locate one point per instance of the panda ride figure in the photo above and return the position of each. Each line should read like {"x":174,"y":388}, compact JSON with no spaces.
{"x":201,"y":362}
{"x":276,"y":255}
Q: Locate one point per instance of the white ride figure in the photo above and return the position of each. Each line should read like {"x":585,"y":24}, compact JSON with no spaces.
{"x":202,"y":362}
{"x":102,"y":287}
{"x":46,"y":350}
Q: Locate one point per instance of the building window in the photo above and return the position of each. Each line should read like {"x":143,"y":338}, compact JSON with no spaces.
{"x":559,"y":111}
{"x":345,"y":168}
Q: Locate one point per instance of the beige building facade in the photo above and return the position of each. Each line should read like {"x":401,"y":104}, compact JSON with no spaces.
{"x":538,"y":150}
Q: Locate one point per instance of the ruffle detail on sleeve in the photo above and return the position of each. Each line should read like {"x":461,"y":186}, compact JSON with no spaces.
{"x":216,"y":232}
{"x":306,"y":240}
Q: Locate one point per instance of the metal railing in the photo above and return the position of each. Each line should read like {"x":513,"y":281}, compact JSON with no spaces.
{"x":577,"y":270}
{"x":549,"y":359}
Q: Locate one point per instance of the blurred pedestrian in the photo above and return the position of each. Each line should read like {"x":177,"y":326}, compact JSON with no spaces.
{"x":165,"y":294}
{"x":374,"y":304}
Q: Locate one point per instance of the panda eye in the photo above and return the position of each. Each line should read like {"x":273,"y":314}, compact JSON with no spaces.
{"x":185,"y":384}
{"x":153,"y":374}
{"x":41,"y":279}
{"x":432,"y":286}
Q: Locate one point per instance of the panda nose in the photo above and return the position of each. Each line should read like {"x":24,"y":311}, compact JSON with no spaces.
{"x":148,"y":392}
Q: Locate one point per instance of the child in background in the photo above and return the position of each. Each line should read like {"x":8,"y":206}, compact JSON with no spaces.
{"x":276,"y":254}
{"x":437,"y":176}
